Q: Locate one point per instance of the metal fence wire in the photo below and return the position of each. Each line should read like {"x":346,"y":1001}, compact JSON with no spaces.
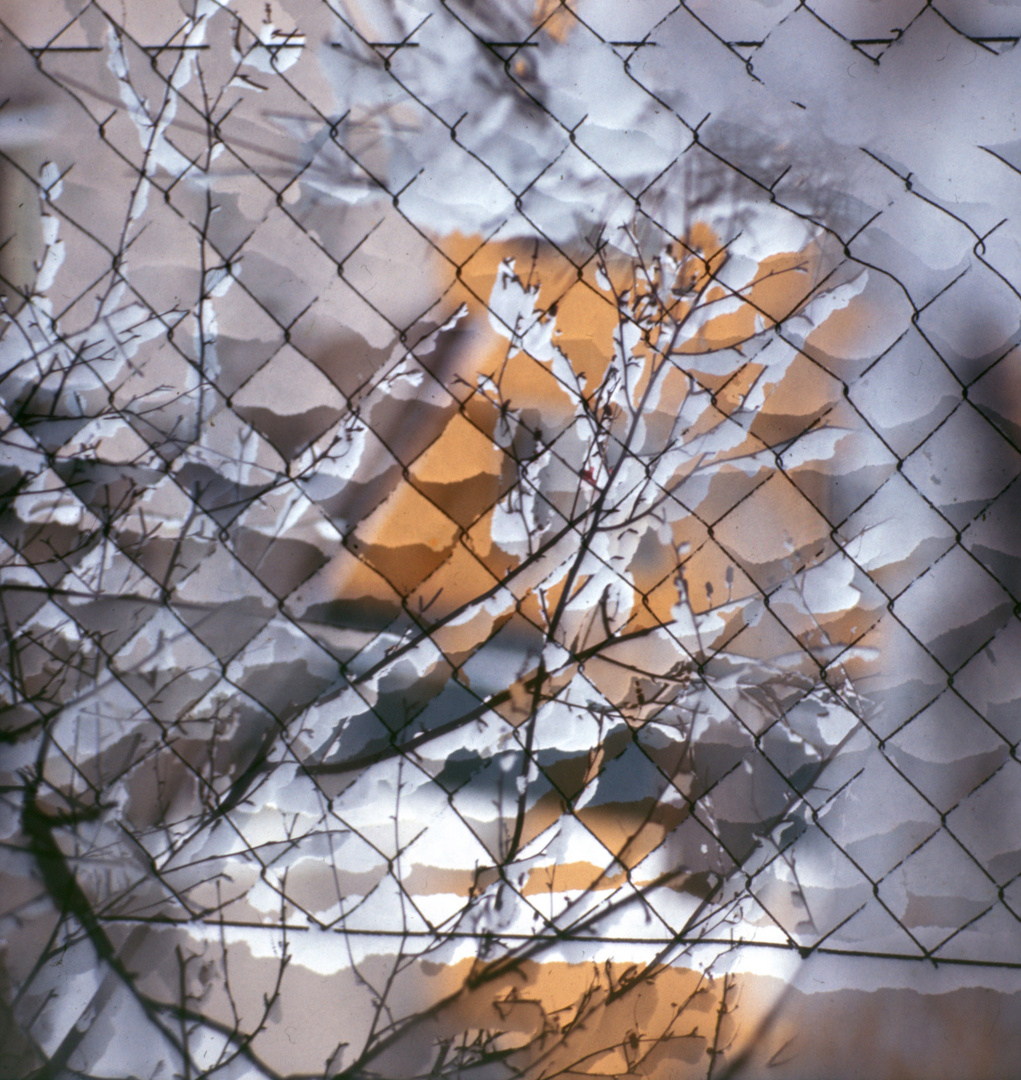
{"x":508,"y":538}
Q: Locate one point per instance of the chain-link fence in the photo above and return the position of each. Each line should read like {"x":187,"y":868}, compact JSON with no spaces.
{"x":508,"y":538}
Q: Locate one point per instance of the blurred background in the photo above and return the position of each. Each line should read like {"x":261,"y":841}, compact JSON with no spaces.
{"x":507,"y":550}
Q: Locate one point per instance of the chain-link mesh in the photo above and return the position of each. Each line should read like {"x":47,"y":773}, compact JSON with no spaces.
{"x":508,"y":538}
